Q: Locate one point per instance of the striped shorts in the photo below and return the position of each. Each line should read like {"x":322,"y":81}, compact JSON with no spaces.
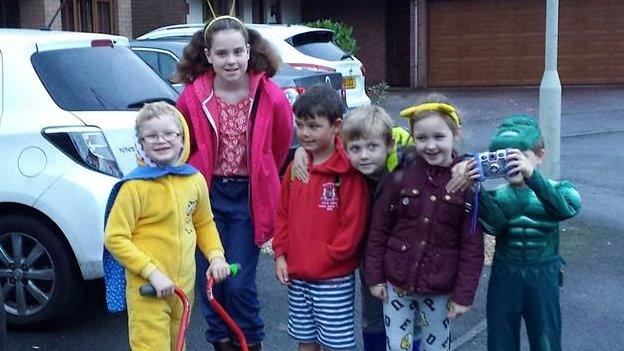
{"x":322,"y":312}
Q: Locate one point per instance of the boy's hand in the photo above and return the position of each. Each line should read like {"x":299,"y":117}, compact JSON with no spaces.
{"x":300,"y":165}
{"x":163,"y":285}
{"x":457,"y":310}
{"x":281,"y":270}
{"x":218,"y":269}
{"x":517,"y":162}
{"x":380,"y":291}
{"x":463,"y":175}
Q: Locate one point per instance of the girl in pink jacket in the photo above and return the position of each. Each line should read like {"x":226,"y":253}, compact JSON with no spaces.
{"x":241,"y":127}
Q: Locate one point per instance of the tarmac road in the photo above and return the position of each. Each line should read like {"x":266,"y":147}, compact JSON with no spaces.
{"x":593,"y":294}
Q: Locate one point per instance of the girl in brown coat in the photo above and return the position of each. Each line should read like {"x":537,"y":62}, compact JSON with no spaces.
{"x":422,"y":259}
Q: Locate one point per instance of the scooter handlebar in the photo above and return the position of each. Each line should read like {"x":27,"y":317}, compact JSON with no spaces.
{"x":147,"y":290}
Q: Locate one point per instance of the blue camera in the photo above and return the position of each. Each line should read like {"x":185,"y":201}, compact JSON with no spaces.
{"x":492,"y":164}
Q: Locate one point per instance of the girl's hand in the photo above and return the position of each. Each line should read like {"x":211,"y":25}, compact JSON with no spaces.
{"x":463,"y":175}
{"x":380,"y":291}
{"x":218,"y":269}
{"x":163,"y":285}
{"x":281,"y":270}
{"x":517,"y":162}
{"x":457,"y":310}
{"x":300,"y":165}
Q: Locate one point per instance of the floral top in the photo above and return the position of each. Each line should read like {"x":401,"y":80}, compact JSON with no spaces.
{"x":234,"y":124}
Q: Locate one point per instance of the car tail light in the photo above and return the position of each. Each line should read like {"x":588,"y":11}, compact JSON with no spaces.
{"x":87,"y":146}
{"x":312,"y":66}
{"x":363,"y":70}
{"x":343,"y":92}
{"x":101,"y":42}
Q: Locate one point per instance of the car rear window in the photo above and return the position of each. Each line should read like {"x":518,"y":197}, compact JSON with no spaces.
{"x":317,"y":44}
{"x":99,"y":79}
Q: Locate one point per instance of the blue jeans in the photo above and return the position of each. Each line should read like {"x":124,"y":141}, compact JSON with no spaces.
{"x":238,"y":295}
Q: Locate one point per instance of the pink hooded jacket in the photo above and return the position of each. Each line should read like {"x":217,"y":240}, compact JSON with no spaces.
{"x":268,"y":142}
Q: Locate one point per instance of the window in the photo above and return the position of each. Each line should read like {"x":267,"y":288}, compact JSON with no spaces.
{"x":89,"y":16}
{"x":318,"y":44}
{"x":161,"y":62}
{"x":9,"y":14}
{"x":167,"y":65}
{"x":103,"y":16}
{"x":99,"y":79}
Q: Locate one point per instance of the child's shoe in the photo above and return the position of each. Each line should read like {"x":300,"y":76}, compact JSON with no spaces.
{"x":374,"y":341}
{"x":225,"y":345}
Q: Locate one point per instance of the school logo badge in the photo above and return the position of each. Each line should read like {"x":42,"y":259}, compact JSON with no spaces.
{"x":329,"y":196}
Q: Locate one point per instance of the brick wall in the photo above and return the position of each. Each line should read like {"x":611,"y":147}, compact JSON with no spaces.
{"x":32,"y":13}
{"x":151,"y":14}
{"x":368,"y":23}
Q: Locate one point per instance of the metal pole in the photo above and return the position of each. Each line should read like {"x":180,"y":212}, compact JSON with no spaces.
{"x":550,"y":95}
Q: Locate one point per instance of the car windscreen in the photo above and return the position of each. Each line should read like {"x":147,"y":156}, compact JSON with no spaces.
{"x":317,"y":44}
{"x":99,"y":79}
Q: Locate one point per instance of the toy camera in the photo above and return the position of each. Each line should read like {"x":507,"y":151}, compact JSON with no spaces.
{"x":492,"y":164}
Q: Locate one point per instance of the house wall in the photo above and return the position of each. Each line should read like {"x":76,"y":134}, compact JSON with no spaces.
{"x":291,"y":12}
{"x":151,"y":14}
{"x":367,"y":17}
{"x":195,"y":11}
{"x":123,"y":15}
{"x":246,"y":14}
{"x":32,"y":13}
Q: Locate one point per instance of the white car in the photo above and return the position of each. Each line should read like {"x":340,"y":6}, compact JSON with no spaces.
{"x":300,"y":47}
{"x":67,"y":107}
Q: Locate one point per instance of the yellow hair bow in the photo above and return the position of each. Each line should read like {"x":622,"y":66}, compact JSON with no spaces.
{"x":445,"y":108}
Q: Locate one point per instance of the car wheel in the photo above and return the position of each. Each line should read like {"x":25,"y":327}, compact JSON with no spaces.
{"x":36,"y":272}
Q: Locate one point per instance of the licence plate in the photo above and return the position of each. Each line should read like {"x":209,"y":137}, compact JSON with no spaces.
{"x":349,"y":82}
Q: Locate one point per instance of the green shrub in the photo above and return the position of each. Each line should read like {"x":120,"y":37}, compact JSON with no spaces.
{"x":377,"y":93}
{"x":343,"y":34}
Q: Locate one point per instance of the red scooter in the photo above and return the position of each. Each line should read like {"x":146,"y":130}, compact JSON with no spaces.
{"x":148,"y":290}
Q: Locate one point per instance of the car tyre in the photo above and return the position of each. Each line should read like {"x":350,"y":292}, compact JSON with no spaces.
{"x":37,"y":275}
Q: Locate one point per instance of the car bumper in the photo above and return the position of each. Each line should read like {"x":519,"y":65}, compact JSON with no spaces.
{"x":353,"y":103}
{"x":76,"y":203}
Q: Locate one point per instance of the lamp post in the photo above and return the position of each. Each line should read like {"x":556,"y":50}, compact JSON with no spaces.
{"x":550,"y":95}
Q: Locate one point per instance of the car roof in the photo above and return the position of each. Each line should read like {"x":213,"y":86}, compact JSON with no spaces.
{"x":282,"y":31}
{"x":37,"y":36}
{"x":175,"y":46}
{"x":47,"y":38}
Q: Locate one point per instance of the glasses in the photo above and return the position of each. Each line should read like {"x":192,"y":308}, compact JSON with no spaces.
{"x":166,"y":136}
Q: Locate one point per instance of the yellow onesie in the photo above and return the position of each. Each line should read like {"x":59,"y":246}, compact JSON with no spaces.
{"x":157,"y":224}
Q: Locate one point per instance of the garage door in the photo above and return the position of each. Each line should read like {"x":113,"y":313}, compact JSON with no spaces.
{"x":489,"y":42}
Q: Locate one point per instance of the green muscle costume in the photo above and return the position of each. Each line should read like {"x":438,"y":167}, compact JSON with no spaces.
{"x":524,"y":282}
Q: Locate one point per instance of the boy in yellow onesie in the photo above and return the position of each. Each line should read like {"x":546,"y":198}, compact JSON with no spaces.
{"x":158,"y":214}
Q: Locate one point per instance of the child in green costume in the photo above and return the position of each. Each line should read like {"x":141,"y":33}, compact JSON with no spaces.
{"x":524,"y":216}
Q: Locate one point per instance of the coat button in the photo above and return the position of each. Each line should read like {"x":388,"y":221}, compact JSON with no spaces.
{"x":433,"y":198}
{"x":403,"y":247}
{"x":447,"y":197}
{"x":415,"y":191}
{"x":423,"y":243}
{"x":426,"y":220}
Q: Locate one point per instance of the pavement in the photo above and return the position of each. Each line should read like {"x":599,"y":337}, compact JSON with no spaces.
{"x":592,"y":243}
